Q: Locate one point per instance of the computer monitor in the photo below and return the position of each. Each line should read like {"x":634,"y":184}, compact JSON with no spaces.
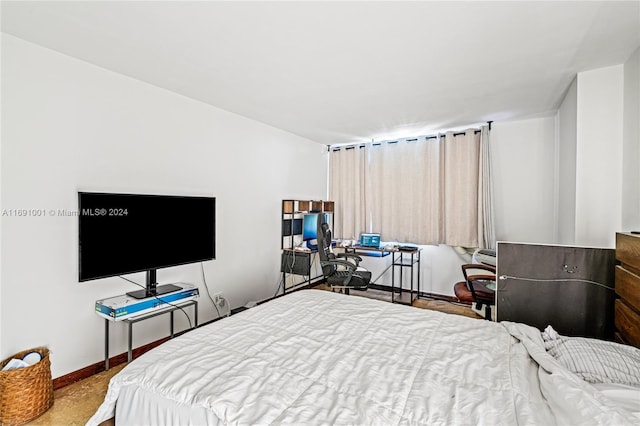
{"x":310,"y":226}
{"x":370,"y":240}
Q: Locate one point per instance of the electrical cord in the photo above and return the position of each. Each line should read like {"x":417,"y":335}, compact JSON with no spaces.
{"x":163,"y":301}
{"x":280,"y":282}
{"x":540,"y":280}
{"x":313,"y":262}
{"x":204,"y":280}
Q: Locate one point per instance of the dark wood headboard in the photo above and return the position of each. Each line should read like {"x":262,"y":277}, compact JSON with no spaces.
{"x":627,"y":306}
{"x":553,"y":285}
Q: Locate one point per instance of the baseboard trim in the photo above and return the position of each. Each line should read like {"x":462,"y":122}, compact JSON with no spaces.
{"x":98,"y":367}
{"x":297,"y":287}
{"x":443,"y":297}
{"x":422,"y":294}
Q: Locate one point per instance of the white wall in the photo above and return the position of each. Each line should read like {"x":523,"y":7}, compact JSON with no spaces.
{"x":599,"y":153}
{"x":599,"y":156}
{"x":524,"y":180}
{"x":68,"y":126}
{"x":631,"y":145}
{"x":566,"y":122}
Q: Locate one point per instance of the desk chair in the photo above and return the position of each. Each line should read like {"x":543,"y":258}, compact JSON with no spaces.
{"x":474,"y":287}
{"x":341,"y":271}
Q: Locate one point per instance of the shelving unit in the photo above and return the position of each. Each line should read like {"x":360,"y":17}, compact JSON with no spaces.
{"x":295,"y":262}
{"x":168,"y":308}
{"x":293,"y":212}
{"x":401,"y":260}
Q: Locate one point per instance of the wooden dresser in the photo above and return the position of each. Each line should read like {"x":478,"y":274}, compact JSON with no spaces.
{"x":627,"y":306}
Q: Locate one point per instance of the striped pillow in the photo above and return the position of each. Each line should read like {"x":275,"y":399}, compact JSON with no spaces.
{"x":596,"y":361}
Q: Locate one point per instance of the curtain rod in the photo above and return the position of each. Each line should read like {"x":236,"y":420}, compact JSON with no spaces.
{"x":362,"y":145}
{"x":392,"y":141}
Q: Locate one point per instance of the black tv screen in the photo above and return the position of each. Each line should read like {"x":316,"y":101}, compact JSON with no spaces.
{"x":125,"y":233}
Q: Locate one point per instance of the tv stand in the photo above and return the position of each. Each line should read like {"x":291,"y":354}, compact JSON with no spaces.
{"x":153,"y":289}
{"x":159,"y":290}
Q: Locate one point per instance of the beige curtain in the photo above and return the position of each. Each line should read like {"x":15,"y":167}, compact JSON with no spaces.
{"x":347,"y":188}
{"x":485,"y":195}
{"x":461,"y":170}
{"x":404,"y":199}
{"x":434,"y":190}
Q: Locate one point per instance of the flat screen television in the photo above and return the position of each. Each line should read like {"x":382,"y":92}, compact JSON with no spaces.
{"x":126,"y":233}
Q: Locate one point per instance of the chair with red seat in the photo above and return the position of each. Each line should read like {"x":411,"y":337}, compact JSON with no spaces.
{"x":474,"y":288}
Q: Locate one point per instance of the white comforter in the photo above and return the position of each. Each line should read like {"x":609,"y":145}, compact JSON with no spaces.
{"x":315,"y":357}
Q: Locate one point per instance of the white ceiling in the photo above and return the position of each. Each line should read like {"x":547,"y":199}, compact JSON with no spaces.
{"x":338,"y":72}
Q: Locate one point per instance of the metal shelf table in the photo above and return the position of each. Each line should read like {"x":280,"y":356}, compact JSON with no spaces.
{"x":142,"y":317}
{"x":406,"y":258}
{"x":399,"y":260}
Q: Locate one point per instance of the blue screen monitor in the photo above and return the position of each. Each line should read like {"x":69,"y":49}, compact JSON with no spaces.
{"x":310,"y":226}
{"x":370,"y":240}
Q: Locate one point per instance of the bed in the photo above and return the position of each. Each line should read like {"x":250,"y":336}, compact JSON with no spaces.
{"x":316,"y":357}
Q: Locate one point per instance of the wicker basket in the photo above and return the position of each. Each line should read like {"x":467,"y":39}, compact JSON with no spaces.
{"x":25,"y":393}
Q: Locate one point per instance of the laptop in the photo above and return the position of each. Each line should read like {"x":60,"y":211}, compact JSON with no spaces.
{"x":370,"y":240}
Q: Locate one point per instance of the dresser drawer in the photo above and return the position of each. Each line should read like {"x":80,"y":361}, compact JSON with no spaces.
{"x":628,"y":287}
{"x":628,"y":250}
{"x":627,"y":323}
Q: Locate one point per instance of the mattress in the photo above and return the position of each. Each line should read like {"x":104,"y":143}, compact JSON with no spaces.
{"x":316,"y":357}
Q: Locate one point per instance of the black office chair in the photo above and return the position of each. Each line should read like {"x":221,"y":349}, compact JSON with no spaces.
{"x":474,"y":287}
{"x":341,"y":271}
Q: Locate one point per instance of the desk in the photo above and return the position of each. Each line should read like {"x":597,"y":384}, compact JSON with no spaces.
{"x":297,"y":262}
{"x":401,"y":259}
{"x":142,"y":317}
